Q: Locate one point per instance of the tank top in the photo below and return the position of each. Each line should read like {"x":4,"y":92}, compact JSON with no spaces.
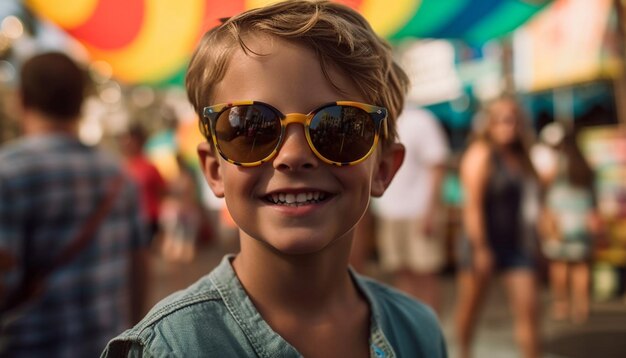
{"x":510,"y":207}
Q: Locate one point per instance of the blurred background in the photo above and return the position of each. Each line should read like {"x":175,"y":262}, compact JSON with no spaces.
{"x":564,"y":59}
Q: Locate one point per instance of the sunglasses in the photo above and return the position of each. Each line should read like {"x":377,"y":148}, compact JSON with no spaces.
{"x":250,"y":133}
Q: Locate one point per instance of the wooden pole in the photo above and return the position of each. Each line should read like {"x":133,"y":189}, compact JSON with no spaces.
{"x":620,"y":82}
{"x":506,"y":44}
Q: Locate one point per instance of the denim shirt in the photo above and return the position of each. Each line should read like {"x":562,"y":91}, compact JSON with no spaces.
{"x":214,"y":317}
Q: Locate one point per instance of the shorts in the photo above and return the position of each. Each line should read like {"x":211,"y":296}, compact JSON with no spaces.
{"x":567,"y":250}
{"x":505,"y":258}
{"x":402,"y":244}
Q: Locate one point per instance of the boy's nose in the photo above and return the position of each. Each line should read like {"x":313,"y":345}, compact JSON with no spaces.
{"x":295,"y":153}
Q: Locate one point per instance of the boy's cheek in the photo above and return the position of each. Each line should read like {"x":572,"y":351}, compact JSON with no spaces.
{"x":211,"y":168}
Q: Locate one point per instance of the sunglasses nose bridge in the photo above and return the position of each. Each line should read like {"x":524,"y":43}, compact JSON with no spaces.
{"x":296,"y":118}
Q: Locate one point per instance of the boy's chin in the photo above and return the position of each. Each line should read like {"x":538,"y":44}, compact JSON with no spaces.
{"x":295,"y":241}
{"x":298,"y":246}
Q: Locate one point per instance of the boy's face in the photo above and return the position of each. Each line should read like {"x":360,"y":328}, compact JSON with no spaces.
{"x":290,"y":78}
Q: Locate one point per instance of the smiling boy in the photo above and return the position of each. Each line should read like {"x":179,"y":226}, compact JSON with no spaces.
{"x":298,"y":102}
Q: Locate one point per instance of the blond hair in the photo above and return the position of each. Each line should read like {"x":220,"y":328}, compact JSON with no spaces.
{"x":339,"y":36}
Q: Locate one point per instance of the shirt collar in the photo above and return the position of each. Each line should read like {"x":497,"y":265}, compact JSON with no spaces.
{"x":264,"y":340}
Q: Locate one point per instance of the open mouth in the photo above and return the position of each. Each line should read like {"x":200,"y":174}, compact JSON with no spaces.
{"x":297,"y":199}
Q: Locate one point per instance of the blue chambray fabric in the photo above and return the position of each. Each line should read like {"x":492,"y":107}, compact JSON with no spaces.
{"x":215,"y":318}
{"x":49,"y":185}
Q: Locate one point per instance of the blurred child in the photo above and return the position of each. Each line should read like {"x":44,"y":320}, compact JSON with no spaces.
{"x":568,"y":225}
{"x":181,"y":215}
{"x":149,"y":181}
{"x":296,"y":185}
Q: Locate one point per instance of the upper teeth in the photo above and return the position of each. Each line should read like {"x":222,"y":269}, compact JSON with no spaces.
{"x":299,"y":198}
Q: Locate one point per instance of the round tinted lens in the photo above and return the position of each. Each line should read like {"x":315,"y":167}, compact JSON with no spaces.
{"x":247,"y":133}
{"x":342,"y":133}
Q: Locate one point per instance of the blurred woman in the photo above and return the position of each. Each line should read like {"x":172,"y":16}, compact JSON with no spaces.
{"x":499,"y":217}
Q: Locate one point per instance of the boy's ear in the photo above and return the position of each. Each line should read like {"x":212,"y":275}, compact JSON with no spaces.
{"x":387,"y":166}
{"x":211,"y":168}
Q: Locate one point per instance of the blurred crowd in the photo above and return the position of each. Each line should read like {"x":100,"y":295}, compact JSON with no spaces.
{"x":528,"y":217}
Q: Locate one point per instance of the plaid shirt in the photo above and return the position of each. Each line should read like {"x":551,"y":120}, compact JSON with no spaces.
{"x":49,"y":186}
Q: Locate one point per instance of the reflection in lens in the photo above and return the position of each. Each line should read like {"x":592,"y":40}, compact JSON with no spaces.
{"x":247,"y":133}
{"x":342,"y":133}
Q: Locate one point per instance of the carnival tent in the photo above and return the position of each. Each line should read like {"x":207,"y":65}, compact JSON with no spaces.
{"x":150,"y":41}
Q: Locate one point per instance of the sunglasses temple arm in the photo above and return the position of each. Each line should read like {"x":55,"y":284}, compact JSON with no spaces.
{"x":385,"y":129}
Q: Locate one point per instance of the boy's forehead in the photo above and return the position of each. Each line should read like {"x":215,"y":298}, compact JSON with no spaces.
{"x":265,"y":44}
{"x":266,"y":48}
{"x":277,"y":66}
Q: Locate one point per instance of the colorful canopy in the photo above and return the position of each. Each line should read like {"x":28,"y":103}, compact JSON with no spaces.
{"x":150,"y":41}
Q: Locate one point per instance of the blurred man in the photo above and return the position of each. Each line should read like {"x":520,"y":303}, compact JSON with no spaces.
{"x":409,"y":241}
{"x":71,"y":237}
